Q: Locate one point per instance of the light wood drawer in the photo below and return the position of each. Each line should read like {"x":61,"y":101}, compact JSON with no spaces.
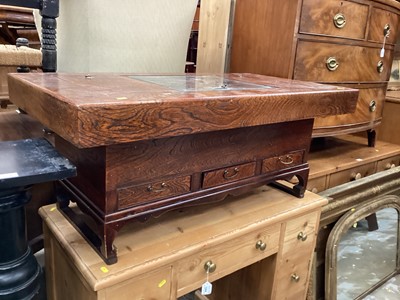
{"x":282,"y":162}
{"x":351,"y":174}
{"x":369,"y":108}
{"x":379,"y":19}
{"x":228,"y":258}
{"x":388,"y":163}
{"x":313,"y":58}
{"x":229,"y":174}
{"x":334,"y":18}
{"x":153,"y":191}
{"x":317,"y":185}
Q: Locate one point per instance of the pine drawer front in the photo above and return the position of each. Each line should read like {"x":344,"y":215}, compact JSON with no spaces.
{"x":283,"y":161}
{"x":229,"y":174}
{"x":388,"y":163}
{"x":153,"y":191}
{"x":334,"y":18}
{"x":317,"y":185}
{"x":328,"y":62}
{"x":351,"y":174}
{"x":383,"y":22}
{"x":228,"y":257}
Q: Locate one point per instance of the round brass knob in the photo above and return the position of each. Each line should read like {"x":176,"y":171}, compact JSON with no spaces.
{"x":389,"y":166}
{"x":339,"y":20}
{"x":379,"y":66}
{"x":386,"y":30}
{"x":295,"y":277}
{"x":302,"y":236}
{"x":260,"y":245}
{"x":372,"y":106}
{"x":356,"y":176}
{"x":332,"y":64}
{"x":209,"y":266}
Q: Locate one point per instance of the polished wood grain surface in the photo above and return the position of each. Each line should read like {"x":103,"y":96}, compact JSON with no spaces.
{"x":106,"y":109}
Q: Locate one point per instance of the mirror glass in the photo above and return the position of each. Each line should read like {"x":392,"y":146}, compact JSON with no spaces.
{"x":367,"y":253}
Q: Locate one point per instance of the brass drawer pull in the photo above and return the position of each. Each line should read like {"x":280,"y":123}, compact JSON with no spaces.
{"x":260,"y":245}
{"x":295,"y":277}
{"x":332,"y":64}
{"x":286,"y":160}
{"x":302,"y":236}
{"x":228,"y":175}
{"x":163,"y":186}
{"x":386,"y":30}
{"x":339,"y":20}
{"x":372,"y":106}
{"x":210,"y":267}
{"x":379,"y":66}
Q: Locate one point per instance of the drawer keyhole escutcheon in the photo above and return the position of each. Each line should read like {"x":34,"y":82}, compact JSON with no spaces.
{"x":162,"y":187}
{"x":332,"y":64}
{"x":229,"y":175}
{"x":386,"y":30}
{"x":286,"y":160}
{"x":302,"y":236}
{"x":379,"y":66}
{"x":210,"y":267}
{"x":339,"y":20}
{"x":260,"y":245}
{"x":295,"y":277}
{"x":372,"y":106}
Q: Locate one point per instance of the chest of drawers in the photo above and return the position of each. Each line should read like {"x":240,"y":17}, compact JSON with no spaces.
{"x":330,"y":41}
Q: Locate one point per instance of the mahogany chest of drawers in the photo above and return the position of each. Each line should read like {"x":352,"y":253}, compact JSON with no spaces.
{"x":330,"y":41}
{"x":147,"y":144}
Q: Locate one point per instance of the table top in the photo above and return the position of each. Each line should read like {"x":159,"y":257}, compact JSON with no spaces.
{"x":104,"y":109}
{"x":30,"y":161}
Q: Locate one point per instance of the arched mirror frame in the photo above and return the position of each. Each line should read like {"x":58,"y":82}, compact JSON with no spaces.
{"x":339,"y":230}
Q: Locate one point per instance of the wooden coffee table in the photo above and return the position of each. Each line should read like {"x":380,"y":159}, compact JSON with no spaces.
{"x":146,"y":144}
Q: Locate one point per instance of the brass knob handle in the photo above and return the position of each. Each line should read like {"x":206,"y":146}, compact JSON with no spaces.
{"x":389,"y":166}
{"x":372,"y":106}
{"x":339,"y":20}
{"x":209,"y":266}
{"x":229,"y":175}
{"x":356,"y":176}
{"x":260,"y":245}
{"x":151,"y":188}
{"x":386,"y":30}
{"x":379,"y":66}
{"x":302,"y":236}
{"x":332,"y":64}
{"x":295,"y":277}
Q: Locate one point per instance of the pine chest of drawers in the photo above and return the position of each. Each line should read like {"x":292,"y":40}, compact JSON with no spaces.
{"x":147,"y":144}
{"x":329,"y":41}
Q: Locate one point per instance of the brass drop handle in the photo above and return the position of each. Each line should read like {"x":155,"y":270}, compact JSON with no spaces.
{"x":356,"y":176}
{"x":162,"y":187}
{"x":302,"y":236}
{"x":379,"y":66}
{"x":372,"y":106}
{"x":229,"y":175}
{"x":332,"y":64}
{"x":210,"y":267}
{"x":286,"y":160}
{"x":389,"y":166}
{"x":386,"y":30}
{"x":260,"y":245}
{"x":295,"y":277}
{"x":339,"y":20}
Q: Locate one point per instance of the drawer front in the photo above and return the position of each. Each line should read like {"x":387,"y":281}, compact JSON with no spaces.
{"x":229,"y":174}
{"x":369,"y":109}
{"x":282,"y":162}
{"x":334,"y":18}
{"x":326,"y":62}
{"x":228,"y":258}
{"x":388,"y":163}
{"x":351,"y":174}
{"x":153,"y":191}
{"x":316,"y":185}
{"x":379,"y":21}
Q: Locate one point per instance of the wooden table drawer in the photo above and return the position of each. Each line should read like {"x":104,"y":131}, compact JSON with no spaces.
{"x":313,"y":59}
{"x":228,"y":258}
{"x":152,"y":191}
{"x":388,"y":163}
{"x":229,"y":174}
{"x":317,"y":185}
{"x":356,"y":173}
{"x":334,"y":18}
{"x":283,"y":161}
{"x":381,"y":18}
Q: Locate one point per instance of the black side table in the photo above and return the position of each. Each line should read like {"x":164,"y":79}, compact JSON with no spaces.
{"x":22,"y":164}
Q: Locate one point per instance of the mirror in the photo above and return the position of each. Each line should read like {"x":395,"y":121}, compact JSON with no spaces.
{"x":362,"y":249}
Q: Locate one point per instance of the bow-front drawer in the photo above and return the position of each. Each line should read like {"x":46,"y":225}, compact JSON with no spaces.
{"x":383,"y":23}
